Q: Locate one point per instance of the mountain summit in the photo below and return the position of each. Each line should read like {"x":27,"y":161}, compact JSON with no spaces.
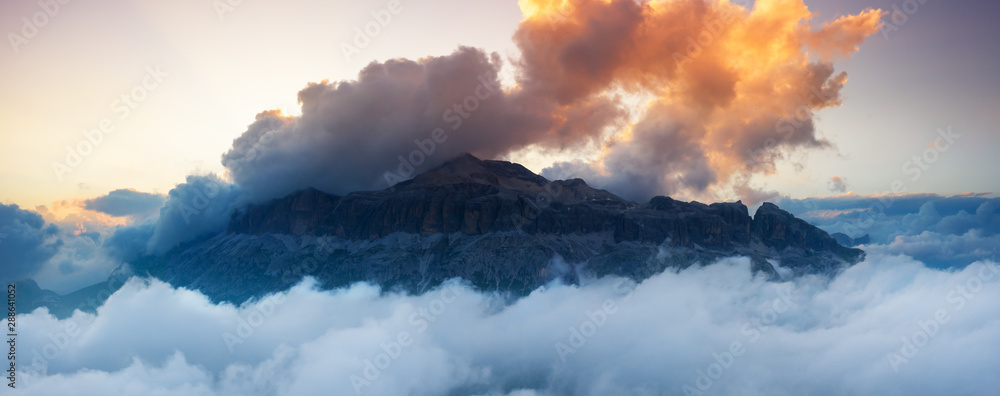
{"x":493,"y":223}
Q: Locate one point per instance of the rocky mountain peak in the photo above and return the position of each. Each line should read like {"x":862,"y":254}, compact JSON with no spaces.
{"x":466,"y":168}
{"x":493,"y":223}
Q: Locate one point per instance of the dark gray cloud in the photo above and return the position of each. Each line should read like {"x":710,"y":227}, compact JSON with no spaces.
{"x":126,"y":202}
{"x":400,"y":116}
{"x":199,"y":207}
{"x":55,"y":258}
{"x":26,"y":243}
{"x":129,"y":243}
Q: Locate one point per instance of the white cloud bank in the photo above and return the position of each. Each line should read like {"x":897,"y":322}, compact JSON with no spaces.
{"x":888,"y":326}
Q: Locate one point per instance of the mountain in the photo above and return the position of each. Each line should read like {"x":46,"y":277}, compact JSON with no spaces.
{"x":30,"y":297}
{"x":846,"y":240}
{"x":493,"y":223}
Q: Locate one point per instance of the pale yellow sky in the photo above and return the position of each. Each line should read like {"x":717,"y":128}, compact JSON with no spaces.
{"x":220,"y":72}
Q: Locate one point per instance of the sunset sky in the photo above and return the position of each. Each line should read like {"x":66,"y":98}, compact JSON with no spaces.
{"x":168,"y":224}
{"x":222,"y":65}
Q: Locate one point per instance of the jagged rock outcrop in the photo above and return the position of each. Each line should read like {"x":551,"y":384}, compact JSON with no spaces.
{"x":494,"y":223}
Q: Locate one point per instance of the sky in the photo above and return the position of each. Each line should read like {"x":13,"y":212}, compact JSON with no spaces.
{"x":133,"y":127}
{"x":220,"y":66}
{"x":872,"y":118}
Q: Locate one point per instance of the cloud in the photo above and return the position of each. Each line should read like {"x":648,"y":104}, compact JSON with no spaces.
{"x":943,"y":249}
{"x":850,"y":334}
{"x":723,"y":103}
{"x":890,"y":204}
{"x":126,"y":202}
{"x":201,"y":206}
{"x":131,"y":242}
{"x":79,"y":262}
{"x":55,"y":258}
{"x":837,"y":184}
{"x":399,"y":116}
{"x":25,"y":242}
{"x":939,"y":230}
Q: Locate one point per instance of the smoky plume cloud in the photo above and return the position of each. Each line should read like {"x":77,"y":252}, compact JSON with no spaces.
{"x":400,"y":116}
{"x":728,"y":91}
{"x":199,"y":207}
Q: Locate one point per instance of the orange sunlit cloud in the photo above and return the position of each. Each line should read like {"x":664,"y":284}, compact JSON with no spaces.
{"x":735,"y":89}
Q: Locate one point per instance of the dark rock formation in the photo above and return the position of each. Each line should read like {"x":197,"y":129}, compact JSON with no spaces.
{"x":493,"y":223}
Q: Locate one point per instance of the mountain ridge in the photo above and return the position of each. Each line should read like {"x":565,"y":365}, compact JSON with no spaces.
{"x":493,"y":223}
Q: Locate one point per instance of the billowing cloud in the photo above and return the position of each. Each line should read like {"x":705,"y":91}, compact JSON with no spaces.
{"x":398,"y":118}
{"x":201,"y":206}
{"x":25,"y":242}
{"x":79,"y":262}
{"x":888,"y":325}
{"x":56,"y":258}
{"x":733,"y":90}
{"x":126,"y":202}
{"x":131,"y":242}
{"x":730,"y":91}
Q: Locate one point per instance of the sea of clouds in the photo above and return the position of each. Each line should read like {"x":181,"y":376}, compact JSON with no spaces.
{"x":887,"y":326}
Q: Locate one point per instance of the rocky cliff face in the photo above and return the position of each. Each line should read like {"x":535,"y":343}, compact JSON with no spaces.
{"x":493,"y":223}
